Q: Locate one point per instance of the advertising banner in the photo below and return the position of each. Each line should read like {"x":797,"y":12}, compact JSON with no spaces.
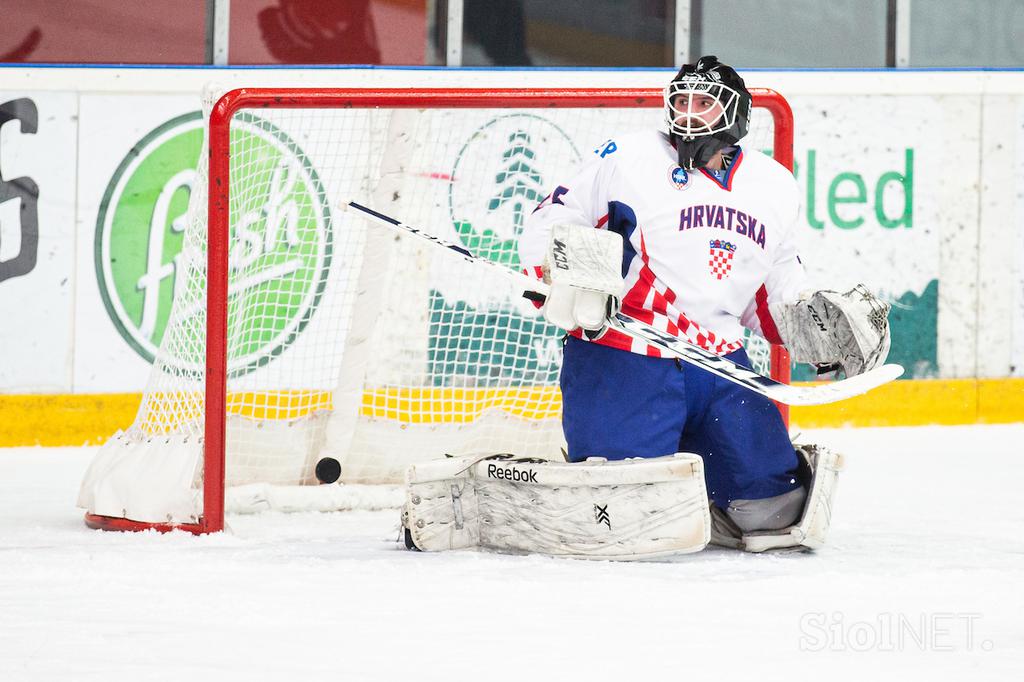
{"x":134,"y":190}
{"x":879,"y":203}
{"x":95,"y":188}
{"x":38,"y":160}
{"x":1017,"y":310}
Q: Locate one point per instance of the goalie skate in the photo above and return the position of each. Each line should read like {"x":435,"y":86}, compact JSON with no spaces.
{"x":819,"y":470}
{"x":628,"y":510}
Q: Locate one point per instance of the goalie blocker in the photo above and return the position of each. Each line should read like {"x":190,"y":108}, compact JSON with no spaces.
{"x":583,"y":265}
{"x":622,"y":510}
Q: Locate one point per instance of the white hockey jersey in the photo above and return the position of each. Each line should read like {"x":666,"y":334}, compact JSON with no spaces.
{"x":704,"y":251}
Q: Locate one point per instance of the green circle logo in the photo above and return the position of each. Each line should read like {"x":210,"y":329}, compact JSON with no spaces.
{"x":148,"y":257}
{"x":520,"y":154}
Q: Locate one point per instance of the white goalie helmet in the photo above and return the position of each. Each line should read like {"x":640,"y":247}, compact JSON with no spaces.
{"x":707,"y":108}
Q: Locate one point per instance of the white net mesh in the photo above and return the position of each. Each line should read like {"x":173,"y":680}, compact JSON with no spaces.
{"x":348,"y":342}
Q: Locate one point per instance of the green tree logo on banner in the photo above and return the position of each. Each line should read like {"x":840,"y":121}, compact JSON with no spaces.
{"x":519,"y":184}
{"x":513,"y":157}
{"x":515,"y":152}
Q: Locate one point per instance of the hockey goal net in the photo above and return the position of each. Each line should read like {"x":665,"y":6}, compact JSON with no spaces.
{"x":300,"y":332}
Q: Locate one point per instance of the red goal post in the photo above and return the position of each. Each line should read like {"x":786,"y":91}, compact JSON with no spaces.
{"x":219,"y":229}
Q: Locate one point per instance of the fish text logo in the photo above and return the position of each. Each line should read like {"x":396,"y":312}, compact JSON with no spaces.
{"x":148,"y":255}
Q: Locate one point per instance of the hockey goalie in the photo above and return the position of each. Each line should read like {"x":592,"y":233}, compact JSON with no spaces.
{"x":693,"y":234}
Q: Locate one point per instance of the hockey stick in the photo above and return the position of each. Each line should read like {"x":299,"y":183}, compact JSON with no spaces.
{"x":536,"y":290}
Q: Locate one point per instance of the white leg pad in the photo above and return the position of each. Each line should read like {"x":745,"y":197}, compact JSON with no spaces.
{"x":633,"y":509}
{"x":812,"y":528}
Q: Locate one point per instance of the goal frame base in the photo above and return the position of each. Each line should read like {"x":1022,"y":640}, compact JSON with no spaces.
{"x":112,"y":523}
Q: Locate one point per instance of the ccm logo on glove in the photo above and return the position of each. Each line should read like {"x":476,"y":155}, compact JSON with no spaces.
{"x":559,"y":255}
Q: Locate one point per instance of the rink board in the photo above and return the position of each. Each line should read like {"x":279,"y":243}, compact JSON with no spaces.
{"x":946,"y":247}
{"x":57,"y":420}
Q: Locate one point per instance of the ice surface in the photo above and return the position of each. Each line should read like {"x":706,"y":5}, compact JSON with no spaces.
{"x":922,"y":580}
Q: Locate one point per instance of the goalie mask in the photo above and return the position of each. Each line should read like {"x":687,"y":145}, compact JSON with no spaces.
{"x":708,"y":108}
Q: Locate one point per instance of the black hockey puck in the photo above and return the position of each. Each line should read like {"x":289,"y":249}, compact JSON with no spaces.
{"x":328,"y":470}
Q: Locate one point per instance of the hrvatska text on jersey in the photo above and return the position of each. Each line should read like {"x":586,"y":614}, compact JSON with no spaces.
{"x":722,"y":218}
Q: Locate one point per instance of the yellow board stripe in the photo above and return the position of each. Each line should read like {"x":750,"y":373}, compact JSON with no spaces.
{"x":60,"y":420}
{"x":460,"y":405}
{"x":405,"y":405}
{"x":922,"y":401}
{"x":79,"y":419}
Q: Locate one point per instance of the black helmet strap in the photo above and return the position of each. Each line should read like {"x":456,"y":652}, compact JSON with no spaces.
{"x":696,"y":152}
